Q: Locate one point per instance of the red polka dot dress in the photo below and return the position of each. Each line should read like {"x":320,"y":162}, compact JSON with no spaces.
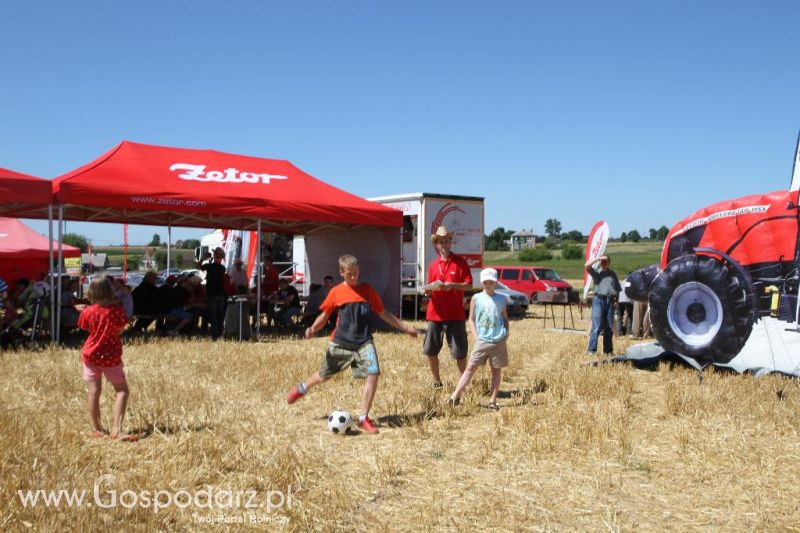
{"x":104,"y":324}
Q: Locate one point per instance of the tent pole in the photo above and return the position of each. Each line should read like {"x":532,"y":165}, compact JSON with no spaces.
{"x":58,"y":265}
{"x":169,"y":245}
{"x":400,"y":289}
{"x":259,"y":275}
{"x":52,"y":300}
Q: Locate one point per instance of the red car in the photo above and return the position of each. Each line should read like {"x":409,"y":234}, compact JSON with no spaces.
{"x":531,"y":280}
{"x":716,"y":266}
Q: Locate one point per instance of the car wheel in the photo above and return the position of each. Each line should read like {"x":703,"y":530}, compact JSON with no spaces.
{"x":535,"y":298}
{"x":702,"y":308}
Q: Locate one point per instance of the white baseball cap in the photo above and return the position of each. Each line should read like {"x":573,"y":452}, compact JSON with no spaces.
{"x":488,"y":274}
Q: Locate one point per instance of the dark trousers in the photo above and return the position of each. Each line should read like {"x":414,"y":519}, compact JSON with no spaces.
{"x":216,"y":314}
{"x":142,"y":323}
{"x":624,"y":318}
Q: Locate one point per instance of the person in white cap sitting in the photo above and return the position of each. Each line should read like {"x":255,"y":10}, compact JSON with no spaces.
{"x":450,"y":275}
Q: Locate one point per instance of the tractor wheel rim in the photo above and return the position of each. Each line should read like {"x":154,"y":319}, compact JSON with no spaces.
{"x":682,"y":313}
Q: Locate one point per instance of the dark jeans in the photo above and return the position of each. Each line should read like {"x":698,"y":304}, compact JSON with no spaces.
{"x":602,"y":319}
{"x":284,"y":315}
{"x":216,"y":314}
{"x":624,"y":318}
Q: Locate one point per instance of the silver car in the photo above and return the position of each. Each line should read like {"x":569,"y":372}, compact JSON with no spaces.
{"x":517,"y":302}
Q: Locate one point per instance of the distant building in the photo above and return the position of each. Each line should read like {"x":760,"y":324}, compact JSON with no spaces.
{"x":523,"y":239}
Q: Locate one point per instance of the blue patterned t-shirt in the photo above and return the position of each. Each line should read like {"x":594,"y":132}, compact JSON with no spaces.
{"x":489,"y":316}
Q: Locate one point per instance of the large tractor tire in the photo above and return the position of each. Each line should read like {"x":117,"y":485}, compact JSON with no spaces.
{"x":702,"y":308}
{"x":639,"y":282}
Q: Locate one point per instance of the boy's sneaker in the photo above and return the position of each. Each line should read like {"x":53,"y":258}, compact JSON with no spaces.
{"x":368,"y":426}
{"x":294,"y":395}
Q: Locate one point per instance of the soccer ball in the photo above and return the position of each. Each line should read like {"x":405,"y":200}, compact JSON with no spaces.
{"x":340,"y":422}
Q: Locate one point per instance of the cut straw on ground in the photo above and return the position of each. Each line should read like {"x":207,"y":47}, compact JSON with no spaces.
{"x":573,"y":447}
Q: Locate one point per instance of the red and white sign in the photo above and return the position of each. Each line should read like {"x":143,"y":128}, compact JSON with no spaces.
{"x":474,"y":261}
{"x":595,"y":247}
{"x":464,"y":220}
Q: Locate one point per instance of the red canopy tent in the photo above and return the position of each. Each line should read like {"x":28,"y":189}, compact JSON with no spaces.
{"x":24,"y":253}
{"x":157,"y":185}
{"x":21,"y":194}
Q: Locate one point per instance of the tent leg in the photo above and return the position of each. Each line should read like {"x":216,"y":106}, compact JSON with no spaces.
{"x":259,"y":276}
{"x":169,"y":246}
{"x":58,"y":284}
{"x":52,"y":299}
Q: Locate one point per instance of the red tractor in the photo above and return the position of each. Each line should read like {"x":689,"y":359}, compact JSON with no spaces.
{"x":710,"y":287}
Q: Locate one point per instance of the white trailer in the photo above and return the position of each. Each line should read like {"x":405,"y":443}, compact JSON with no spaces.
{"x":422,"y":214}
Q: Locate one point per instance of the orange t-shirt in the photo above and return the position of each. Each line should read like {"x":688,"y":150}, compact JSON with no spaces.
{"x":355,"y":305}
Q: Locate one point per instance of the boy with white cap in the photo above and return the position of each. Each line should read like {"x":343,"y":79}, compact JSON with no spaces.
{"x":488,"y":322}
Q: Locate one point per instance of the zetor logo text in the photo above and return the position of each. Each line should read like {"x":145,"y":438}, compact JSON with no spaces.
{"x":229,"y":175}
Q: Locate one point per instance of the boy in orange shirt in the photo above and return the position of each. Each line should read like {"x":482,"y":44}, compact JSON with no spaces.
{"x":351,"y":341}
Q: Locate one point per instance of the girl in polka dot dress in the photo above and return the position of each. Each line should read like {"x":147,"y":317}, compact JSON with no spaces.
{"x":102,"y":354}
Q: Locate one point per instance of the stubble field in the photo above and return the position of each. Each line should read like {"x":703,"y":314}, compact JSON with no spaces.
{"x":573,"y":447}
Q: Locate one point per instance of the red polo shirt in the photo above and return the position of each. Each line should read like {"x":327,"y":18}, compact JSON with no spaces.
{"x":448,"y":305}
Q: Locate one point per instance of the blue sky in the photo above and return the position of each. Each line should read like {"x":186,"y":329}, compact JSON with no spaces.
{"x":634,"y":112}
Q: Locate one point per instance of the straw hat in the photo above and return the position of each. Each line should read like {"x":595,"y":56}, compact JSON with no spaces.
{"x":441,"y":231}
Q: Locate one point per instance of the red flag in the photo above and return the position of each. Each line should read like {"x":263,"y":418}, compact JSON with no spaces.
{"x":595,"y":247}
{"x":252,"y":252}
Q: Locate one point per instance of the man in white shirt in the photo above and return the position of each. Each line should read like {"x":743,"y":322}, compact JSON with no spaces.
{"x":238,"y":277}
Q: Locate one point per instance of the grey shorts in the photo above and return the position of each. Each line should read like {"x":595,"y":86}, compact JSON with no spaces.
{"x":455,"y":331}
{"x":495,"y":352}
{"x":363,"y":360}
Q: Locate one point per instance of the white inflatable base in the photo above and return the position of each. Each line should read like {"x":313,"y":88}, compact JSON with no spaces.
{"x":773,"y":346}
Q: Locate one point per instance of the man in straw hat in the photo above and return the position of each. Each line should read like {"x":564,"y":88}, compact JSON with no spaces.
{"x":448,"y":278}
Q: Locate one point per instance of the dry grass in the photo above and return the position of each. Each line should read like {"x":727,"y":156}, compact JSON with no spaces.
{"x":574,"y":447}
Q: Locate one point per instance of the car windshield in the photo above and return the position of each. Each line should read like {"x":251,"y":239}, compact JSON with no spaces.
{"x":502,"y":286}
{"x":547,"y":274}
